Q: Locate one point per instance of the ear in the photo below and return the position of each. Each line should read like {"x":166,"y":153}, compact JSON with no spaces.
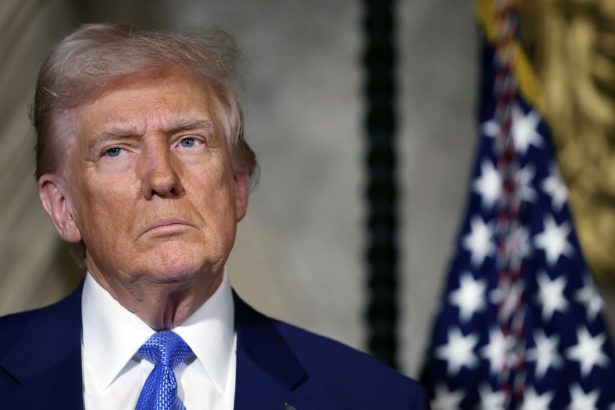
{"x":54,"y":196}
{"x":242,"y":192}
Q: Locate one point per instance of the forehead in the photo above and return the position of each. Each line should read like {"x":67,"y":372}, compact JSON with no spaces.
{"x":144,"y":100}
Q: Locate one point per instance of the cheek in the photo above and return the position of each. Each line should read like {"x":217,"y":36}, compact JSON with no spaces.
{"x":222,"y":189}
{"x":104,"y":214}
{"x":214,"y":200}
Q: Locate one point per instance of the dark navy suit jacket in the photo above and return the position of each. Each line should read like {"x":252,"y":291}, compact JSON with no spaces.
{"x":278,"y":365}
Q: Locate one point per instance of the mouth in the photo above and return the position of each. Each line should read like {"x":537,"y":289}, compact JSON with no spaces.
{"x":167,"y":226}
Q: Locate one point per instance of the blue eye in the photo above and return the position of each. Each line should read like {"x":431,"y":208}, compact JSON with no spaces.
{"x":188,"y":142}
{"x":113,"y":152}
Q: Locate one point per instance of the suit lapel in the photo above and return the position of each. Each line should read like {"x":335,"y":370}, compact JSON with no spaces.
{"x":46,"y":360}
{"x":268,"y":372}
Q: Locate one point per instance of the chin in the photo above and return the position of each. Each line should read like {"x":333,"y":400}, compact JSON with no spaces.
{"x":177,"y":265}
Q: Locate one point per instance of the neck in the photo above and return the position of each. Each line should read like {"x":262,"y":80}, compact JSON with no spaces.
{"x":161,"y":306}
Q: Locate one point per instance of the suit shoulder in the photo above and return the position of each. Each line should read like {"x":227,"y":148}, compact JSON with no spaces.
{"x":336,"y":376}
{"x":12,"y":326}
{"x":311,"y":345}
{"x":351,"y":369}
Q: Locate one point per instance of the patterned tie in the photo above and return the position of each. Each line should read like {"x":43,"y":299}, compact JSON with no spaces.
{"x":165,"y":350}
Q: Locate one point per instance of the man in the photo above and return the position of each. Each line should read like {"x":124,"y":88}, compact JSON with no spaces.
{"x":142,"y":164}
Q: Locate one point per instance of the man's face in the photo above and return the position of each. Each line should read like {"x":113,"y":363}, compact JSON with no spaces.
{"x":150,"y":186}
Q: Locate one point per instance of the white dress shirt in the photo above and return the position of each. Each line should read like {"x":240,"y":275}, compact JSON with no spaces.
{"x":114,"y":372}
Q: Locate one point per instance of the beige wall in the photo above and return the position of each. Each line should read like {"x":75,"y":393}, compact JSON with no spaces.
{"x":29,"y":273}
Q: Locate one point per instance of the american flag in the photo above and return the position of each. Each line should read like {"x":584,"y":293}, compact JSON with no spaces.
{"x":519,"y":325}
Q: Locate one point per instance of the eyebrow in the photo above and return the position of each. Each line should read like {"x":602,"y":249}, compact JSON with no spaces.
{"x":114,"y":132}
{"x":187,"y":124}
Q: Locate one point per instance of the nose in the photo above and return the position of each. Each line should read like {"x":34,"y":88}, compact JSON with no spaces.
{"x":160,"y":172}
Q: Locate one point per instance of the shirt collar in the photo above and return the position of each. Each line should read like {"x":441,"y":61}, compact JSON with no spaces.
{"x":112,"y":334}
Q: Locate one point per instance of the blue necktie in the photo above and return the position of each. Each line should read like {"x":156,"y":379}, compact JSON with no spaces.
{"x":165,"y":350}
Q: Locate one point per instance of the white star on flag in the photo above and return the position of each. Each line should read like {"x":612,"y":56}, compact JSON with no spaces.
{"x":523,"y":129}
{"x":488,"y":185}
{"x":496,"y":352}
{"x":491,"y":400}
{"x":582,"y":401}
{"x":479,"y":242}
{"x":551,"y":295}
{"x":588,"y":351}
{"x":469,"y":297}
{"x":552,"y":240}
{"x":524,"y":180}
{"x":458,"y":351}
{"x":518,"y":243}
{"x":446,"y":399}
{"x":545,"y":353}
{"x":553,"y":186}
{"x":588,"y":296}
{"x":533,"y":401}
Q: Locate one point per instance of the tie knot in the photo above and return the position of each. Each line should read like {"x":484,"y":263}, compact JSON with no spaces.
{"x":166,"y":348}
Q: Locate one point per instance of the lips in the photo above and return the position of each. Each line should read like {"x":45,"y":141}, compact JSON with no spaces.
{"x":167,"y":224}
